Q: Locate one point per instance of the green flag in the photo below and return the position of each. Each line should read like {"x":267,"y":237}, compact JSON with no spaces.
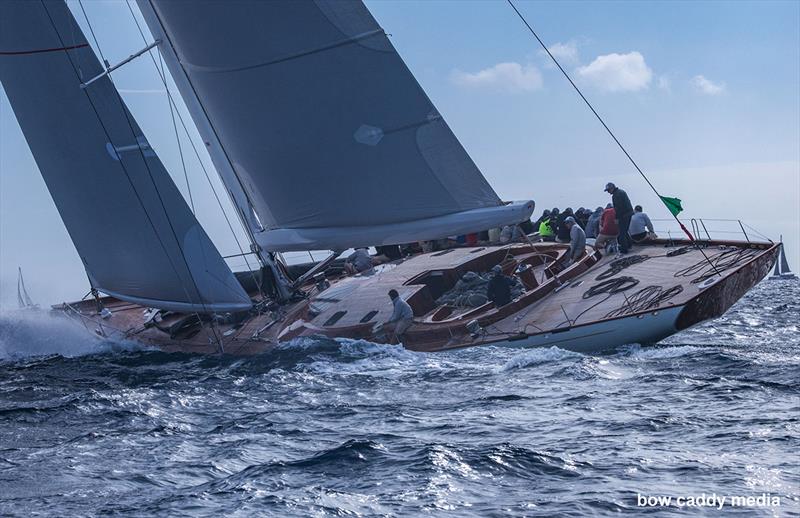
{"x":673,"y":204}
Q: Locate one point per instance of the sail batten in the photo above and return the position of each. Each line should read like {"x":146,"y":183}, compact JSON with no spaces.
{"x":136,"y":236}
{"x":317,"y":118}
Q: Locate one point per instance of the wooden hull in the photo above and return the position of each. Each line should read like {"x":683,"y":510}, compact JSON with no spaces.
{"x":554,"y":310}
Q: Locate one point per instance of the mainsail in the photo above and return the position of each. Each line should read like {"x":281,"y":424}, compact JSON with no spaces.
{"x":318,"y":128}
{"x":131,"y":226}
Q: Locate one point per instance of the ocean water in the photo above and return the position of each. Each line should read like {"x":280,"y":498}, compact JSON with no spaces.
{"x":325,"y":427}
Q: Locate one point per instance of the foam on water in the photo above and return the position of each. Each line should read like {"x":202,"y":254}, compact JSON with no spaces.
{"x":31,"y":333}
{"x":535,"y":357}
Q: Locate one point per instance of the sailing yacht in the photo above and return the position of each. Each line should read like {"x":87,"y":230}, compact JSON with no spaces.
{"x":24,"y":300}
{"x":782,"y":270}
{"x":324,"y":140}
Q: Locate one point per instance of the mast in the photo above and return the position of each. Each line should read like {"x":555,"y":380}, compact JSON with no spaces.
{"x":244,"y":207}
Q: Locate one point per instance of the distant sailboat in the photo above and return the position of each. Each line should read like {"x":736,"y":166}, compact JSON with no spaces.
{"x":23,"y":299}
{"x":782,"y":270}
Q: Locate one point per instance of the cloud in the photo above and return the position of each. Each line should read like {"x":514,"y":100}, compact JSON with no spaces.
{"x":509,"y":77}
{"x":617,"y":72}
{"x":706,"y":86}
{"x":565,"y":53}
{"x":664,"y":83}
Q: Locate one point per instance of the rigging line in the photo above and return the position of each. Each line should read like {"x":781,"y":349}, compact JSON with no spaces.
{"x":180,"y":148}
{"x":124,"y":169}
{"x":162,"y":75}
{"x":91,"y":30}
{"x":599,"y":118}
{"x":242,"y":217}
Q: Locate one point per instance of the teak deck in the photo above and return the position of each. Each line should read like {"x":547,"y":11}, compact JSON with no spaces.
{"x":352,"y":305}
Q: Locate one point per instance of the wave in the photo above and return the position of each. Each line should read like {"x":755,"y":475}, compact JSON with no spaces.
{"x":637,"y":352}
{"x":25,"y":334}
{"x":538,"y":357}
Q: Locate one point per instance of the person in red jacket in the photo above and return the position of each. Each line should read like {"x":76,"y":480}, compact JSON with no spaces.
{"x":608,"y":228}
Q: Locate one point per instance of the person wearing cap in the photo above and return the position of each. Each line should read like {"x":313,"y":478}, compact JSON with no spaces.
{"x":624,"y":210}
{"x":577,"y":241}
{"x":499,"y":288}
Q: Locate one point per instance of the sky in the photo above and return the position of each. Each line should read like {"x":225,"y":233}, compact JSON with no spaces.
{"x":704,"y":95}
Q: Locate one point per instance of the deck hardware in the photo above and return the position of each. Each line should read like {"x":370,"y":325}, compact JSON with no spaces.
{"x":474,"y":328}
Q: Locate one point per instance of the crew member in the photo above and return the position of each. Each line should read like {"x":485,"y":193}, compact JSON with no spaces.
{"x":546,"y":231}
{"x":358,"y":262}
{"x":624,"y":210}
{"x":402,"y":315}
{"x":593,"y":224}
{"x":641,"y":226}
{"x":562,"y":232}
{"x":577,"y":241}
{"x":608,"y":228}
{"x":499,"y":288}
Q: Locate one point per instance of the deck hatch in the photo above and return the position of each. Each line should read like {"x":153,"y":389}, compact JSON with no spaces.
{"x":369,"y":316}
{"x":334,"y":318}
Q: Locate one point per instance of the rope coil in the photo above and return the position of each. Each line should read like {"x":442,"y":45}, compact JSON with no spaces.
{"x":616,"y":266}
{"x":611,"y":286}
{"x":644,"y":299}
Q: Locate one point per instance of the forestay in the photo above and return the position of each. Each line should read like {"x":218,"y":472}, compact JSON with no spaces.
{"x":131,"y":226}
{"x":318,"y":121}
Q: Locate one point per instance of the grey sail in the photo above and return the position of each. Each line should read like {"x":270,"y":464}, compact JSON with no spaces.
{"x":784,"y":263}
{"x":319,"y":123}
{"x":23,"y":299}
{"x":132,"y":228}
{"x":776,"y":272}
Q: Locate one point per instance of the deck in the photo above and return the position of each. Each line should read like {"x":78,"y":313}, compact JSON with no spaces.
{"x":660,"y":275}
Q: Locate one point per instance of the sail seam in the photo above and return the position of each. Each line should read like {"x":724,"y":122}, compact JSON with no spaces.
{"x":290,"y":57}
{"x":41,"y":51}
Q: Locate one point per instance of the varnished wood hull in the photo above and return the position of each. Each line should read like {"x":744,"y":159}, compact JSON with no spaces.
{"x":553,"y":313}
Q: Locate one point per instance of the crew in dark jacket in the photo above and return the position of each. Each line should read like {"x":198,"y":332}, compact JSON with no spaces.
{"x":499,"y":288}
{"x":582,"y":217}
{"x":624,"y":210}
{"x":562,"y":232}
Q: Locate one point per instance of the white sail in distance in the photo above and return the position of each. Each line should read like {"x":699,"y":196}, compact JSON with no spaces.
{"x":133,"y":230}
{"x":317,"y":126}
